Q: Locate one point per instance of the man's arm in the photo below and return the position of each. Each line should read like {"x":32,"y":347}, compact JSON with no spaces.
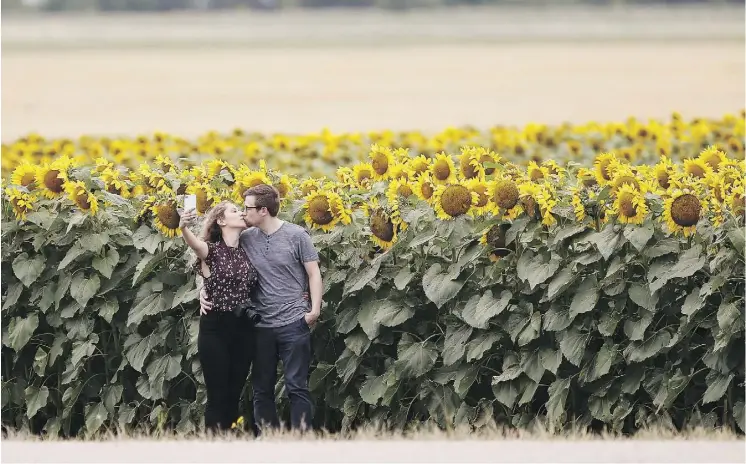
{"x":316,"y":288}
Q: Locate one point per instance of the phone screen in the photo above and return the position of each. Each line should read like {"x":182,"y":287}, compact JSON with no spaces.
{"x":190,"y":202}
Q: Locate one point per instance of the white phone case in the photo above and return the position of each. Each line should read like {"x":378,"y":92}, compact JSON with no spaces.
{"x":190,"y":202}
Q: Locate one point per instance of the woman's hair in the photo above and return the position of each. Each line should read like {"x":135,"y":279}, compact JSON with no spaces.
{"x":210,"y":228}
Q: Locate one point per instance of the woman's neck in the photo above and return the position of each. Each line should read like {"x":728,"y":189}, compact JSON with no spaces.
{"x":231,"y":236}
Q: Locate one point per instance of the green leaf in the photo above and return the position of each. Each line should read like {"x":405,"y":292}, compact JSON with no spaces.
{"x":392,"y":313}
{"x":47,"y":298}
{"x":417,"y":359}
{"x":107,"y":309}
{"x":550,"y":359}
{"x":558,"y":391}
{"x":112,"y":395}
{"x":346,"y":320}
{"x":739,"y":414}
{"x":455,"y":343}
{"x":738,"y":240}
{"x":464,"y":379}
{"x":20,"y":331}
{"x":73,"y":253}
{"x":531,"y":330}
{"x":137,"y":349}
{"x":40,"y":361}
{"x":95,"y":416}
{"x":560,"y":283}
{"x":557,"y":318}
{"x":318,"y":375}
{"x":346,"y":365}
{"x":36,"y":398}
{"x":57,"y":348}
{"x":572,"y":345}
{"x":531,"y":365}
{"x":126,"y":414}
{"x":640,"y":351}
{"x":94,"y":242}
{"x":476,"y":348}
{"x":717,"y":384}
{"x":536,"y":268}
{"x":81,"y":350}
{"x":83,"y":289}
{"x":692,"y":303}
{"x":601,"y":363}
{"x":643,"y":297}
{"x":42,"y":218}
{"x":585,"y":298}
{"x":106,"y":264}
{"x":146,"y":238}
{"x":357,"y":342}
{"x":691,"y":261}
{"x":186,"y":293}
{"x":367,"y":318}
{"x":149,"y":306}
{"x":145,"y":266}
{"x":403,"y":277}
{"x":363,"y":276}
{"x":14,"y":292}
{"x":63,"y":285}
{"x":373,"y":389}
{"x":728,"y":314}
{"x":639,"y":236}
{"x":607,"y":241}
{"x":480,"y":309}
{"x":165,"y":368}
{"x":438,"y":286}
{"x":28,"y":270}
{"x":635,"y":328}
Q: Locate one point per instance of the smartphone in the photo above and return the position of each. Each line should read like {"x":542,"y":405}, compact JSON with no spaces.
{"x":190,"y":202}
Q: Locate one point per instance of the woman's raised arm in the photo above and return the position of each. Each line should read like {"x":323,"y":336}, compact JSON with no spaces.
{"x":199,"y":246}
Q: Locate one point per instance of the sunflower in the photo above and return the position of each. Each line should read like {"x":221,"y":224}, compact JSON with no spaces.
{"x":624,"y":176}
{"x":536,"y":172}
{"x":601,"y":167}
{"x":424,"y":187}
{"x":662,"y":173}
{"x":114,"y":182}
{"x":324,"y":210}
{"x":586,"y":176}
{"x":22,"y":202}
{"x":418,"y":165}
{"x":577,"y":204}
{"x":469,"y":162}
{"x":443,"y":169}
{"x":382,"y":228}
{"x":629,"y":205}
{"x":398,"y":171}
{"x":51,"y":177}
{"x":167,"y":218}
{"x":483,"y":190}
{"x":24,"y":175}
{"x":735,"y":145}
{"x":712,"y":157}
{"x":363,"y":174}
{"x":83,"y":199}
{"x":398,"y":188}
{"x":735,"y":200}
{"x":495,"y":239}
{"x":696,"y":168}
{"x":453,"y":200}
{"x":682,"y":211}
{"x":505,"y":196}
{"x":284,"y":185}
{"x":538,"y":201}
{"x":206,"y":196}
{"x":381,"y":158}
{"x":309,"y":186}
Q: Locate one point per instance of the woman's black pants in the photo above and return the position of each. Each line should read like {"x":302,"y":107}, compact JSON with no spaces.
{"x":226,"y":351}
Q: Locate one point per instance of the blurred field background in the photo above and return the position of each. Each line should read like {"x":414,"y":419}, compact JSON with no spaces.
{"x":291,"y":69}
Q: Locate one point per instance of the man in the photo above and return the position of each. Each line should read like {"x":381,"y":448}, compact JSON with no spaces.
{"x":288,"y":267}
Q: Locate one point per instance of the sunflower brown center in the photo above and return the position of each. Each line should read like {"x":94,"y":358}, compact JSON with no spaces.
{"x":456,"y":200}
{"x":27,"y":179}
{"x":168,"y":215}
{"x":696,"y":170}
{"x":380,"y":164}
{"x":52,"y":182}
{"x":685,"y":210}
{"x":627,"y":206}
{"x":506,"y":194}
{"x":441,"y":170}
{"x":427,"y":190}
{"x":381,"y":226}
{"x":469,"y":171}
{"x":319,"y":211}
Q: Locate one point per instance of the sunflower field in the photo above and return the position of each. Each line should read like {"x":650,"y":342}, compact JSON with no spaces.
{"x":588,"y":274}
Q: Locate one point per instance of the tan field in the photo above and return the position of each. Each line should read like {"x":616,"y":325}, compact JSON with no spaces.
{"x":142,"y":75}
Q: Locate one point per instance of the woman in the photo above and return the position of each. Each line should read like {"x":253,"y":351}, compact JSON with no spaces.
{"x":225,"y":340}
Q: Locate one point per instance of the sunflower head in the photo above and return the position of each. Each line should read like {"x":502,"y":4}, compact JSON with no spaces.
{"x":601,"y":167}
{"x":324,"y":210}
{"x":24,"y":175}
{"x":418,"y":165}
{"x":682,"y":211}
{"x":712,"y":157}
{"x":22,"y":202}
{"x":381,"y":158}
{"x":505,"y":194}
{"x":383,"y":230}
{"x":696,"y":168}
{"x":363,"y":174}
{"x":469,"y":162}
{"x":453,"y":200}
{"x":424,"y":187}
{"x":51,"y":180}
{"x":629,"y":205}
{"x":443,"y":169}
{"x":167,"y":217}
{"x":83,"y":199}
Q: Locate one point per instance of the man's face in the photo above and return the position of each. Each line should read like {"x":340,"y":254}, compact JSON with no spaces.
{"x":251,"y":214}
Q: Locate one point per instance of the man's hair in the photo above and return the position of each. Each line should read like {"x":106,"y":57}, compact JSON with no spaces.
{"x":266,"y":196}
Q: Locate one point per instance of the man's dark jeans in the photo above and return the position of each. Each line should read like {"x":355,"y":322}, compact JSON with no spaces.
{"x":226,"y":349}
{"x":292,"y":345}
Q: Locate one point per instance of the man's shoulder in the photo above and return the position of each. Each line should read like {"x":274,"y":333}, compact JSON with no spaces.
{"x":294,"y":230}
{"x":249,"y":233}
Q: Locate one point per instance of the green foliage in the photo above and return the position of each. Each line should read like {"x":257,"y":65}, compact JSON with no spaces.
{"x":620,"y":329}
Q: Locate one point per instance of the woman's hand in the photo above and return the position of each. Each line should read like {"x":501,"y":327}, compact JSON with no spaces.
{"x":204,"y":304}
{"x":187,"y":218}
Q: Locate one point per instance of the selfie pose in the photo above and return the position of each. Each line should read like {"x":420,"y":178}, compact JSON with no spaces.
{"x":288,"y":269}
{"x":225,"y":341}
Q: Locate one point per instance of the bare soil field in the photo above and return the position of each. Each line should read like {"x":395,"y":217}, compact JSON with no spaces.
{"x":185,"y":74}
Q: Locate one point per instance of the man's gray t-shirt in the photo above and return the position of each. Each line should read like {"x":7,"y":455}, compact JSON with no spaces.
{"x":278,"y":259}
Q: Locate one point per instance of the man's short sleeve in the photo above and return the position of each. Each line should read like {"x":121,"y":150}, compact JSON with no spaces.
{"x":308,"y":252}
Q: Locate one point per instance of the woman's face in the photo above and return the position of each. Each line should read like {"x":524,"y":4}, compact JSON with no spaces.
{"x":233,"y":218}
